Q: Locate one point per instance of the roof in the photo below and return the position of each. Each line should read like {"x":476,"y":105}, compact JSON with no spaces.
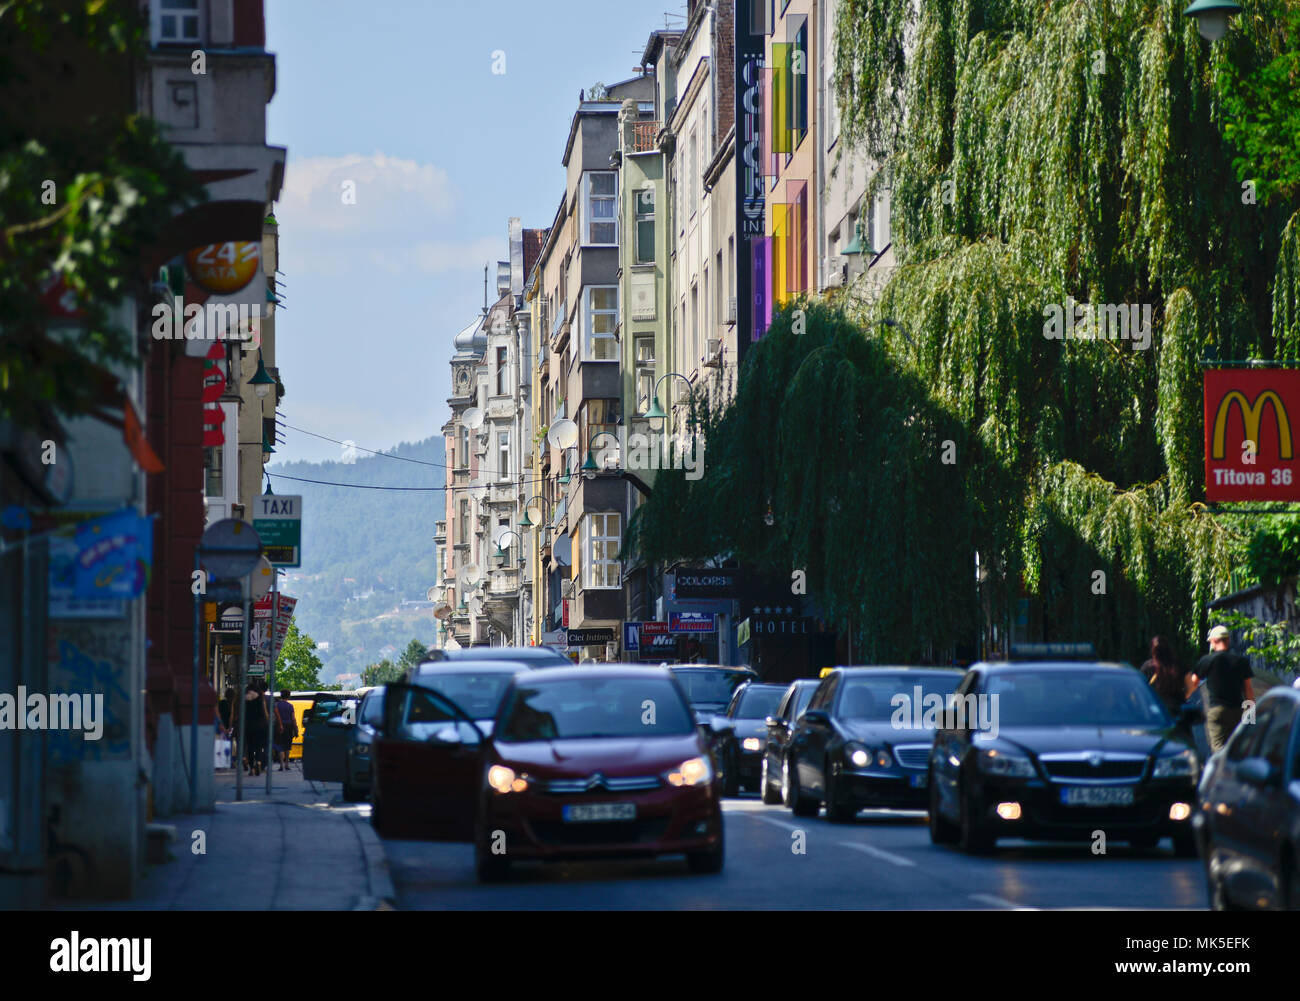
{"x":472,"y":339}
{"x":472,"y":667}
{"x":871,"y":668}
{"x":1006,"y":666}
{"x":710,"y":667}
{"x":533,"y":241}
{"x":601,"y":671}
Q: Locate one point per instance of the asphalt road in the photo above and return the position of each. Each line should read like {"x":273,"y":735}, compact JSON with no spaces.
{"x":881,"y":861}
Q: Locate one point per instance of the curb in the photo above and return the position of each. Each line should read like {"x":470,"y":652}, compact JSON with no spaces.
{"x":383,"y":895}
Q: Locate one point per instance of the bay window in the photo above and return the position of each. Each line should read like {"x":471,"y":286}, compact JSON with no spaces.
{"x":600,"y":208}
{"x":601,"y":564}
{"x":599,"y":323}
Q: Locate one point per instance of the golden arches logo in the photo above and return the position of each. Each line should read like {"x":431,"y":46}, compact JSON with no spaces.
{"x":1251,"y":414}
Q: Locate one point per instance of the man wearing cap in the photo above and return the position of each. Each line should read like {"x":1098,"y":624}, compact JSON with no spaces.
{"x":1227,"y":685}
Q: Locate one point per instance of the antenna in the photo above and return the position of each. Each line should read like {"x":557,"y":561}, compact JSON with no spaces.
{"x":485,"y":297}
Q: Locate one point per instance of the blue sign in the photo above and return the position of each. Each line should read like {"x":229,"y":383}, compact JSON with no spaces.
{"x":692,"y":622}
{"x":631,"y":636}
{"x":114,"y":555}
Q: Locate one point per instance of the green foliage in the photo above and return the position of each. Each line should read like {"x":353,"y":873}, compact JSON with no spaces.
{"x":1273,"y":553}
{"x":1276,"y":642}
{"x":116,"y":183}
{"x":383,"y":673}
{"x":297,"y":667}
{"x":414,"y":653}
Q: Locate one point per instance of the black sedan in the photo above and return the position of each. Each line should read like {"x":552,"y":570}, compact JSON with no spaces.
{"x":1247,"y":820}
{"x":780,"y":728}
{"x":1057,"y":751}
{"x":740,"y":733}
{"x":709,"y":688}
{"x":530,"y":656}
{"x":859,"y":743}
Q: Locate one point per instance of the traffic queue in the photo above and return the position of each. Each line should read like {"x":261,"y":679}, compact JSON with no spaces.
{"x":529,"y":757}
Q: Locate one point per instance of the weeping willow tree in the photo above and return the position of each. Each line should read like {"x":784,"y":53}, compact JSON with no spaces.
{"x":1040,"y":155}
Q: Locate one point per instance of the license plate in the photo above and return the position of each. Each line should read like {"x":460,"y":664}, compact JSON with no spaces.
{"x":1097,"y":796}
{"x":918,"y":781}
{"x":579,"y":813}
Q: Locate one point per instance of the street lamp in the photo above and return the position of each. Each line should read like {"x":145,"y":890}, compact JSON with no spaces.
{"x":656,"y":412}
{"x":527,"y":522}
{"x":564,"y":477}
{"x":1212,"y":17}
{"x":261,"y":378}
{"x":501,"y":553}
{"x":589,"y":467}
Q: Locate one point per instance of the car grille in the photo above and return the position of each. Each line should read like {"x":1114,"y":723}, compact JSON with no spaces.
{"x":912,"y":755}
{"x":628,"y":832}
{"x":1110,"y":767}
{"x":601,"y":783}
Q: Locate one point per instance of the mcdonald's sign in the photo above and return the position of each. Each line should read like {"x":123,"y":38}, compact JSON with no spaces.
{"x":1249,"y":438}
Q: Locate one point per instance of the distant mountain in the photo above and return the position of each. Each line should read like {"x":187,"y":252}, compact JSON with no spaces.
{"x":364,"y":552}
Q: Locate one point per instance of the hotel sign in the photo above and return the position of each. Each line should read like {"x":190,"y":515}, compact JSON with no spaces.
{"x":1249,"y":434}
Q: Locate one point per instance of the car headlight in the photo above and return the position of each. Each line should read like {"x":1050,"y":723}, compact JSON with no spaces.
{"x":858,"y":755}
{"x":752,"y":744}
{"x":1180,"y":765}
{"x":1015,"y":766}
{"x":694,"y":772}
{"x":504,"y":779}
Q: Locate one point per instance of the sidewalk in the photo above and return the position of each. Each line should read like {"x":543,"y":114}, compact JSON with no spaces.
{"x":301,"y":849}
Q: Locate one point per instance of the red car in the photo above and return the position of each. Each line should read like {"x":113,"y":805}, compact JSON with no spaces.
{"x":583,"y":762}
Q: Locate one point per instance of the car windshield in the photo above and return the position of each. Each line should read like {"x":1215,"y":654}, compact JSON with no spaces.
{"x":372,"y":710}
{"x":876,"y":696}
{"x":802,"y":696}
{"x":1075,"y":698}
{"x":594,"y":707}
{"x":759,"y":702}
{"x":477,"y":692}
{"x":703,"y":686}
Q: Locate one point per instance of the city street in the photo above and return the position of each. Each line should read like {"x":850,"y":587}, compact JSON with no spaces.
{"x":881,"y":861}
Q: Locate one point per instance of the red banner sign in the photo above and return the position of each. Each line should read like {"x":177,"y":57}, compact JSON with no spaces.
{"x":1250,"y":449}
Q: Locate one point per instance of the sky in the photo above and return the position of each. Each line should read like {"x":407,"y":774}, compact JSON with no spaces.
{"x":399,"y":98}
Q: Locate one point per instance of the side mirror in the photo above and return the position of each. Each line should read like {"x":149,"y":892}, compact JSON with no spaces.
{"x":817,"y":717}
{"x":1256,"y":772}
{"x":721,"y":725}
{"x":776,"y":721}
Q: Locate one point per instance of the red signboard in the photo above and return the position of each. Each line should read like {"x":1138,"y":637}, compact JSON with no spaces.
{"x":1250,"y":451}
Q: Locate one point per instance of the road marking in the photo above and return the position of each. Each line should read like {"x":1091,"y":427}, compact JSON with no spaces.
{"x":879,"y":853}
{"x":992,"y":901}
{"x":779,"y":823}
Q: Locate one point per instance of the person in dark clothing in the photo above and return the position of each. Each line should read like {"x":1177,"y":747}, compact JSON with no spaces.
{"x":1171,"y":681}
{"x":225,"y":709}
{"x":286,"y":729}
{"x":255,"y":727}
{"x":1227,"y":685}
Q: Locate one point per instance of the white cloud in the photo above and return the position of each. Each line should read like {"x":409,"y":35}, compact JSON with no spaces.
{"x":391,"y":195}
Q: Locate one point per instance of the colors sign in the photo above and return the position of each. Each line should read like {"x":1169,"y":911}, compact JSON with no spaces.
{"x":114,"y":555}
{"x":1250,"y":450}
{"x":224,"y":267}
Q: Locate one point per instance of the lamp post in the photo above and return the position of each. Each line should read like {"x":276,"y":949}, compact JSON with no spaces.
{"x":1212,"y":17}
{"x":656,"y":412}
{"x":261,"y":378}
{"x":589,"y":467}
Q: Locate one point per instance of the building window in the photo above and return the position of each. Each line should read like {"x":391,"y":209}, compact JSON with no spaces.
{"x":600,"y":323}
{"x":695,"y":324}
{"x":501,"y":371}
{"x":462,"y":450}
{"x":462,"y":523}
{"x":176,"y":21}
{"x":215,"y":471}
{"x":601,"y":206}
{"x":503,"y":455}
{"x":600,"y":417}
{"x":645,"y":372}
{"x":693,"y":172}
{"x":645,"y":226}
{"x":601,"y":562}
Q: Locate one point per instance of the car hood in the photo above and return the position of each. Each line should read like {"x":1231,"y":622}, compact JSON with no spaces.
{"x":705,"y":711}
{"x":1049,"y":740}
{"x":749,"y":728}
{"x":882,"y":732}
{"x":614,"y":756}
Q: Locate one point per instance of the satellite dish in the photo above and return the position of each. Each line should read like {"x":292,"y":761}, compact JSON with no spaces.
{"x":472,"y":418}
{"x":563,"y":433}
{"x":442,"y":611}
{"x":432,"y":593}
{"x":470,"y":574}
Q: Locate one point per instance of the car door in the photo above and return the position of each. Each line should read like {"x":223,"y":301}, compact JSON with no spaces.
{"x":813,"y":733}
{"x":949,"y":751}
{"x":325,"y":741}
{"x":1227,"y":795}
{"x":428,"y":765}
{"x":778,"y":731}
{"x":1263,"y":812}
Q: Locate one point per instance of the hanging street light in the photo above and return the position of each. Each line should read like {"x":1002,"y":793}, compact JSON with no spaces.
{"x":1212,"y":17}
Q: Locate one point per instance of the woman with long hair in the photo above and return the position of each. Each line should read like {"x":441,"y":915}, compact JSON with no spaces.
{"x":1172,"y":682}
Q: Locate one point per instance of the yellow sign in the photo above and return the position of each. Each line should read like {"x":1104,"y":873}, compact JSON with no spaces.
{"x":224,"y":267}
{"x":1251,"y":414}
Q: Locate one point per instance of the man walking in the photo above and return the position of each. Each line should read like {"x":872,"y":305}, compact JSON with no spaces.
{"x":1227,"y":685}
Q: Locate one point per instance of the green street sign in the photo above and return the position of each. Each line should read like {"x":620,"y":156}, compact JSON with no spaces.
{"x":277,"y":518}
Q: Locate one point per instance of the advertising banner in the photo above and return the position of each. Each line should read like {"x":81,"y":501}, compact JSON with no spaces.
{"x":1249,"y":434}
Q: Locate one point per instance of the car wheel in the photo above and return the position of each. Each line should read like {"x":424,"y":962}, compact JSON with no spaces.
{"x":800,"y":805}
{"x":973,"y":837}
{"x":942,"y":832}
{"x":771,"y":797}
{"x":708,"y":862}
{"x":1185,"y":845}
{"x":837,"y":812}
{"x":730,"y":780}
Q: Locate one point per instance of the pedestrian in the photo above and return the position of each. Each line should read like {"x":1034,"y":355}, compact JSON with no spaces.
{"x":225,"y":710}
{"x":1227,"y":686}
{"x":255,"y":728}
{"x":286,"y":729}
{"x":1172,"y":682}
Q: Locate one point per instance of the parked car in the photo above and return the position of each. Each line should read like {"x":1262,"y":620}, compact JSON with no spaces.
{"x":855,"y":747}
{"x":1247,"y":819}
{"x":324,"y":746}
{"x":739,"y":733}
{"x":1078,"y":747}
{"x":360,"y":745}
{"x":534,"y":656}
{"x":780,"y":727}
{"x":475,"y":688}
{"x":709,"y":688}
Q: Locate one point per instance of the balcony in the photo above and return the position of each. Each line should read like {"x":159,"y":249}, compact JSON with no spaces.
{"x":642,"y":138}
{"x":440,"y":532}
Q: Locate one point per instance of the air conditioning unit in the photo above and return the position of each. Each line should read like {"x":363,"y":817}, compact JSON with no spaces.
{"x":566,"y":588}
{"x":528,"y":461}
{"x":731,"y":310}
{"x":713,"y":353}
